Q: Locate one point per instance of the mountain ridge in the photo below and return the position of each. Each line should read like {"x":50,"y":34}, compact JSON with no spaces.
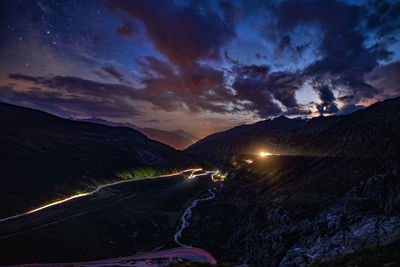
{"x":45,"y":157}
{"x":306,"y":138}
{"x":178,"y":139}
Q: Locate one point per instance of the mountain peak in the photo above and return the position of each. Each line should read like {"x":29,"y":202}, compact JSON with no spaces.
{"x":281,"y":118}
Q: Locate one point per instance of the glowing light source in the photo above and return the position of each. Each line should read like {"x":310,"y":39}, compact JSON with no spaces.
{"x":217,"y":176}
{"x":248,"y":161}
{"x":264,"y":154}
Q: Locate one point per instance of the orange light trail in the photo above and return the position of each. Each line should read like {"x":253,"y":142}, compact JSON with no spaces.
{"x":57,"y":202}
{"x":191,"y":176}
{"x":221,"y":177}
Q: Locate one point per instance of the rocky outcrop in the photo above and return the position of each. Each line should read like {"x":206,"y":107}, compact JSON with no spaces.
{"x":248,"y":224}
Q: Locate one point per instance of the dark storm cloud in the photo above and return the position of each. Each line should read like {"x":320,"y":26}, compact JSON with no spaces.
{"x":384,"y":18}
{"x":198,"y":86}
{"x":183,"y":34}
{"x":346,"y":58}
{"x":331,"y":45}
{"x":328,"y":104}
{"x":283,"y":86}
{"x":250,"y":86}
{"x":260,"y":88}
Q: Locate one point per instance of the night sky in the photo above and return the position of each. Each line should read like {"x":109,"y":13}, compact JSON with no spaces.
{"x":201,"y":66}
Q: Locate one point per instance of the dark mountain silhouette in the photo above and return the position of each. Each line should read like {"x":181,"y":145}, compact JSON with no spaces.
{"x":44,"y":157}
{"x":369,"y":132}
{"x":245,"y":139}
{"x":334,"y":188}
{"x":179,"y":139}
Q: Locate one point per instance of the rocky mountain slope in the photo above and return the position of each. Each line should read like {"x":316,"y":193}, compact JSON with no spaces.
{"x":44,"y":157}
{"x":371,"y":131}
{"x":335,"y":188}
{"x":245,"y":139}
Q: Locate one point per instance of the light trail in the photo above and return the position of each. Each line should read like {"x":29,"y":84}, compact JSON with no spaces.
{"x":191,"y":176}
{"x":142,"y":259}
{"x":221,"y":177}
{"x":56,"y":203}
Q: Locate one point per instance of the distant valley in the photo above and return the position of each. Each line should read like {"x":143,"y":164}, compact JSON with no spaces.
{"x":323,"y":188}
{"x":178,"y":139}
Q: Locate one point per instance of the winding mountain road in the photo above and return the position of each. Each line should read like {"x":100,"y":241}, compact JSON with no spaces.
{"x":161,"y":258}
{"x":143,"y":259}
{"x":191,"y":176}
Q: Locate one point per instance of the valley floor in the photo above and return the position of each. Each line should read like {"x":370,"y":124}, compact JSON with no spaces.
{"x":278,"y":211}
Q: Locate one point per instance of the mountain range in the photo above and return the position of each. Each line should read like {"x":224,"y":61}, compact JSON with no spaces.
{"x":330,"y":188}
{"x":179,"y":139}
{"x":372,"y":131}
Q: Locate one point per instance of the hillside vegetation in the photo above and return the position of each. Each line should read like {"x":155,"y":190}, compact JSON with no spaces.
{"x":44,"y":157}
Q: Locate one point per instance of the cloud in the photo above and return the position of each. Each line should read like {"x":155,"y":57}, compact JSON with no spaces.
{"x":114,"y":73}
{"x":117,"y":95}
{"x":385,"y":77}
{"x":336,"y":47}
{"x":183,"y":34}
{"x":66,"y":105}
{"x":261,"y":90}
{"x":384,"y":18}
{"x":345,"y":52}
{"x":196,"y":87}
{"x":250,"y":87}
{"x":328,"y":104}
